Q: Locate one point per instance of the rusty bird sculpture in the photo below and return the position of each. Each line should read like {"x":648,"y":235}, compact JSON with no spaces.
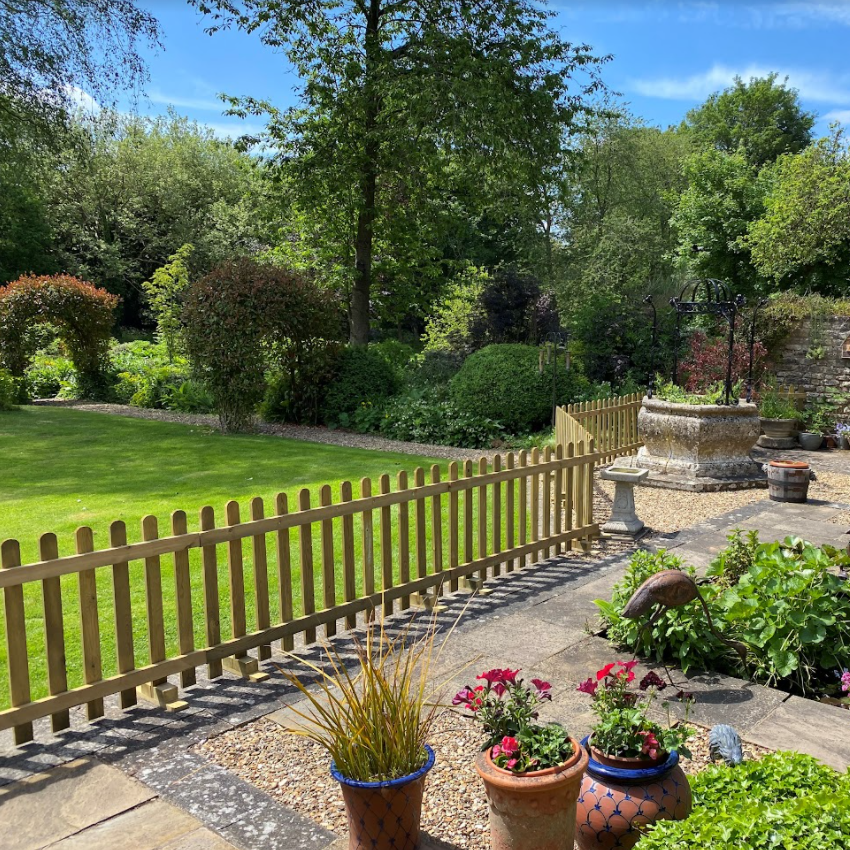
{"x":672,"y":589}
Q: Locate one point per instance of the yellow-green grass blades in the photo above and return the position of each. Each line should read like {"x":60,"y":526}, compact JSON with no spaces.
{"x":374,"y":720}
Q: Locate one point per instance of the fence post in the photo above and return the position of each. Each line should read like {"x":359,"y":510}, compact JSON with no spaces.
{"x":160,"y":691}
{"x":283,"y":551}
{"x":16,"y":639}
{"x":54,"y":632}
{"x":212,"y":612}
{"x":90,"y":626}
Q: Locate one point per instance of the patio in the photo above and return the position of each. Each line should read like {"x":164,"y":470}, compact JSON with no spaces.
{"x":137,"y":779}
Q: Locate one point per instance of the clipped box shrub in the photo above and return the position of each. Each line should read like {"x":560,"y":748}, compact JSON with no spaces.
{"x":503,"y":382}
{"x":363,"y":376}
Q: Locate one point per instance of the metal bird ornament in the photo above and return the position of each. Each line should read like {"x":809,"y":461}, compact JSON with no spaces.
{"x":725,"y":743}
{"x":672,"y":589}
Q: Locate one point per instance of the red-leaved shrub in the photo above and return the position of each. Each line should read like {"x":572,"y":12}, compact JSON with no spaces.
{"x":82,"y":312}
{"x":707,"y":360}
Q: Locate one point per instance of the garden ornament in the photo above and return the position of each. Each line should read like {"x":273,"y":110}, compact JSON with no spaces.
{"x":672,"y":589}
{"x":725,"y":743}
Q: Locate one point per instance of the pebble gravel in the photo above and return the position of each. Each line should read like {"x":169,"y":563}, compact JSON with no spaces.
{"x":295,"y":772}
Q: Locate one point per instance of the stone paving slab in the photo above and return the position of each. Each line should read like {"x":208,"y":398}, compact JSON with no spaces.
{"x":47,"y":807}
{"x":806,"y":726}
{"x":153,"y":826}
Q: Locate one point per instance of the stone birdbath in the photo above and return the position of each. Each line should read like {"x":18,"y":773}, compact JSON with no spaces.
{"x":624,"y":518}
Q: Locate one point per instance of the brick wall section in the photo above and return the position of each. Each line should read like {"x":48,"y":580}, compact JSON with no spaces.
{"x":816,"y":376}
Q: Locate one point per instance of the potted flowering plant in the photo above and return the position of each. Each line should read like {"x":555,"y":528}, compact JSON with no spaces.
{"x":842,"y":432}
{"x":632,"y":757}
{"x":531,"y":771}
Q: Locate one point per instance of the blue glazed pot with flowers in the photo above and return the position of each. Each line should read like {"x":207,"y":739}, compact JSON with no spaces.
{"x":633,"y":777}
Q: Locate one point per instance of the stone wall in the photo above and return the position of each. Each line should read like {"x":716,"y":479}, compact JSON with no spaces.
{"x":816,"y":376}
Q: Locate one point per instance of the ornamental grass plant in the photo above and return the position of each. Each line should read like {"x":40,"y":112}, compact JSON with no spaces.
{"x":374,"y":717}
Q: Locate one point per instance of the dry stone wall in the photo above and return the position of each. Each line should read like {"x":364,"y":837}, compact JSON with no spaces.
{"x":796,"y":366}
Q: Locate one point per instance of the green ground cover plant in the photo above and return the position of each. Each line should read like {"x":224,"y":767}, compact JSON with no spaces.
{"x":784,"y":800}
{"x":782,"y":599}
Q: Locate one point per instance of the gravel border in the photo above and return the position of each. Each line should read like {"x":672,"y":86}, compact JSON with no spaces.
{"x":295,"y":772}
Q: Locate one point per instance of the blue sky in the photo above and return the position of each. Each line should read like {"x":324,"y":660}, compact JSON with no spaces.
{"x":667,"y":56}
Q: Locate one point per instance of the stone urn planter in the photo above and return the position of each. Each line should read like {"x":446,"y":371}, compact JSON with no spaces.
{"x":384,"y":815}
{"x":621,"y":796}
{"x":778,"y":433}
{"x":699,"y":447}
{"x":534,"y":810}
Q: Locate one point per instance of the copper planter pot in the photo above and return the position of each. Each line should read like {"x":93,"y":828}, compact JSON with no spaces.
{"x":621,"y":796}
{"x":535,"y":810}
{"x":384,"y":815}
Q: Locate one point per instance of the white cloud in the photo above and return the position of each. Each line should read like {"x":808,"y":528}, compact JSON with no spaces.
{"x":819,"y":87}
{"x":180,"y":102}
{"x":805,"y":14}
{"x":235,"y":130}
{"x":842,"y":116}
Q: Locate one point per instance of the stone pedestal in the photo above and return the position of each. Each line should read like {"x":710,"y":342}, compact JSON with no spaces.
{"x":624,"y":518}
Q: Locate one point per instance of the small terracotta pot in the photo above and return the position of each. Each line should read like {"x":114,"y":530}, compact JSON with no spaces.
{"x":384,"y":815}
{"x":620,"y":796}
{"x":535,"y":810}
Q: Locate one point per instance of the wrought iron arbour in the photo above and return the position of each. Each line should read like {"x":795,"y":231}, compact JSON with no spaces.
{"x":699,"y":298}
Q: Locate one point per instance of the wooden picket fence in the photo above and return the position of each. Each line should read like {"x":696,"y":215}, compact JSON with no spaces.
{"x":610,"y":422}
{"x":312,"y":565}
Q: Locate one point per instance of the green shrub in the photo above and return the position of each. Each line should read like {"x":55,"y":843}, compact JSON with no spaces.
{"x":241,"y":314}
{"x":362,"y":375}
{"x":430,"y":416}
{"x":504,"y":383}
{"x":189,"y":396}
{"x":46,"y":376}
{"x":9,"y":391}
{"x":786,"y":604}
{"x":397,"y":354}
{"x":679,"y":634}
{"x":433,"y":368}
{"x":784,"y":800}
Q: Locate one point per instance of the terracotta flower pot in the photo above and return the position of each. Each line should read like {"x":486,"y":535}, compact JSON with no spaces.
{"x":384,"y":815}
{"x":620,"y":796}
{"x":535,"y":810}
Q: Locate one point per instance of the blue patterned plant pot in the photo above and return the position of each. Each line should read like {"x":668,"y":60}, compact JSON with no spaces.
{"x":619,"y":797}
{"x":384,"y":815}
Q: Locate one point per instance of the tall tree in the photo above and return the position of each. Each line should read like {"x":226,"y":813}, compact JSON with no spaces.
{"x":725,"y":195}
{"x":762,"y":119}
{"x":401,"y":98}
{"x":803,"y":238}
{"x":135,"y":190}
{"x":53,"y":52}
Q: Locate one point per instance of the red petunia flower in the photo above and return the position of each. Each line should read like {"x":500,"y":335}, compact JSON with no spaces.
{"x":605,"y":671}
{"x":588,"y":687}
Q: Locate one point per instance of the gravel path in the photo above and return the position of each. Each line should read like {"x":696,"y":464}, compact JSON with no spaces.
{"x":295,"y":772}
{"x":308,"y":433}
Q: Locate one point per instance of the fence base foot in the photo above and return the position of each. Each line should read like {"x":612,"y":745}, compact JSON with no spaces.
{"x":474,"y":584}
{"x":245,"y":666}
{"x":429,"y":601}
{"x":165,"y":696}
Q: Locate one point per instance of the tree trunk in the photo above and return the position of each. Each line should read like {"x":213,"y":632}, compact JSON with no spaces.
{"x":358,"y":308}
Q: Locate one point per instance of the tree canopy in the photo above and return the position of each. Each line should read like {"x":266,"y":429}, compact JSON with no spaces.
{"x":402,"y":103}
{"x":762,"y":119}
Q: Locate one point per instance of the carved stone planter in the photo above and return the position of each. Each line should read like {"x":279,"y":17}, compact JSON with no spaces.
{"x":699,"y":447}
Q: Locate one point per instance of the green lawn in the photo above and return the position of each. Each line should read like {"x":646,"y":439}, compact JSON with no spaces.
{"x":63,"y":468}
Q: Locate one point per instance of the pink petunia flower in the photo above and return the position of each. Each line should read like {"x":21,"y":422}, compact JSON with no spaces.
{"x":510,"y":764}
{"x":498,"y":689}
{"x":510,"y":745}
{"x":544,"y":689}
